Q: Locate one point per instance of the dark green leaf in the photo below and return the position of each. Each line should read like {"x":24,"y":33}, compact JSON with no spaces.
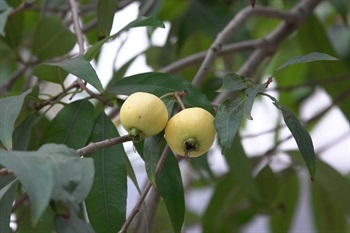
{"x":331,"y":181}
{"x":144,"y":22}
{"x":52,"y":38}
{"x":35,"y":173}
{"x":72,"y":125}
{"x":329,"y":216}
{"x":45,"y":223}
{"x":335,"y":184}
{"x":242,"y":169}
{"x":106,"y":203}
{"x":306,"y":58}
{"x":227,"y":121}
{"x":105,"y":16}
{"x":50,"y":73}
{"x":228,"y":209}
{"x":10,"y":109}
{"x":252,"y":92}
{"x":8,"y":187}
{"x":77,"y":66}
{"x":301,"y":136}
{"x":233,"y":82}
{"x":160,"y":84}
{"x":312,"y":36}
{"x":268,"y":186}
{"x":22,"y":133}
{"x":152,"y":150}
{"x":169,"y":183}
{"x":281,"y":218}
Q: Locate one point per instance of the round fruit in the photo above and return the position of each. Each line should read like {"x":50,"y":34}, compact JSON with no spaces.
{"x":143,"y":115}
{"x":190,"y":132}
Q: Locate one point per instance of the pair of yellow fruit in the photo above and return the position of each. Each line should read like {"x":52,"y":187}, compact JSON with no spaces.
{"x":190,"y":132}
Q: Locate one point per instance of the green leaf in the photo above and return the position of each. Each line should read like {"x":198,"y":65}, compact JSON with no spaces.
{"x":50,"y":73}
{"x":228,"y":209}
{"x":10,"y":110}
{"x":242,"y":170}
{"x":52,"y":38}
{"x":312,"y":36}
{"x":233,"y":82}
{"x":328,"y":215}
{"x":227,"y":121}
{"x":45,"y":223}
{"x":23,"y":132}
{"x":169,"y":184}
{"x":53,"y":172}
{"x":74,"y":225}
{"x":306,"y":58}
{"x":252,"y":92}
{"x":144,"y":22}
{"x":106,"y":203}
{"x":73,"y":175}
{"x":335,"y":184}
{"x":77,"y":66}
{"x":8,"y":187}
{"x":140,"y":22}
{"x":268,"y":186}
{"x":72,"y":125}
{"x":153,"y":148}
{"x":301,"y":136}
{"x":35,"y":173}
{"x":281,"y":218}
{"x":105,"y":16}
{"x":160,"y":84}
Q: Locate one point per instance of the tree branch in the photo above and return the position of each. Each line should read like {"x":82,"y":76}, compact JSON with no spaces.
{"x":198,"y":57}
{"x":301,"y":11}
{"x":92,"y":147}
{"x":222,"y":37}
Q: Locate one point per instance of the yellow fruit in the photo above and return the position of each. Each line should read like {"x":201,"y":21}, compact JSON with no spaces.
{"x":191,"y":130}
{"x":143,"y":115}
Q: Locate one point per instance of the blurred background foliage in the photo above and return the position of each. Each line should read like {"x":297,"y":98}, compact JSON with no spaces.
{"x":250,"y":186}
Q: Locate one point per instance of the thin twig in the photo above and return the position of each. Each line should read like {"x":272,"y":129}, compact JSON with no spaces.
{"x":199,"y":57}
{"x":58,"y":96}
{"x":92,"y":94}
{"x":22,"y":6}
{"x":92,"y":147}
{"x":144,"y":193}
{"x":76,"y":24}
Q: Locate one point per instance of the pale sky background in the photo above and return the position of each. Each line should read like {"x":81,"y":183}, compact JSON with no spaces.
{"x":333,"y":126}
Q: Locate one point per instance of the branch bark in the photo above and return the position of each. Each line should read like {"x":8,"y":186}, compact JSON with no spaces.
{"x":272,"y":41}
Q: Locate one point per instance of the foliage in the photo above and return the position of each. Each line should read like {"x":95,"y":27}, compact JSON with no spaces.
{"x":61,"y":151}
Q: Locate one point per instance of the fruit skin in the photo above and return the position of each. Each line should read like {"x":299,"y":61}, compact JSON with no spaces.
{"x":191,"y":125}
{"x":143,"y":114}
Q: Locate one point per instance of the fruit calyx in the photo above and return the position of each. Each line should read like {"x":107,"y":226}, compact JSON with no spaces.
{"x":190,"y":144}
{"x":136,"y":135}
